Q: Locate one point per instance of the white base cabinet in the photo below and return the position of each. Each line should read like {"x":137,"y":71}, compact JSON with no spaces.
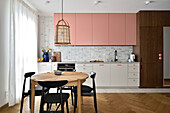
{"x":119,"y":75}
{"x":44,"y":67}
{"x":102,"y":74}
{"x":85,"y":68}
{"x":107,"y":74}
{"x":133,"y":74}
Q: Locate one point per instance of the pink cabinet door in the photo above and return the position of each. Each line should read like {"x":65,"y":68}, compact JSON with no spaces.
{"x":131,"y":29}
{"x":71,"y":19}
{"x":100,"y":29}
{"x":117,"y":29}
{"x":83,"y":29}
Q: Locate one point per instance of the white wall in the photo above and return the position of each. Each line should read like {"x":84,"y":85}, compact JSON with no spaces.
{"x":4,"y":41}
{"x":166,"y":52}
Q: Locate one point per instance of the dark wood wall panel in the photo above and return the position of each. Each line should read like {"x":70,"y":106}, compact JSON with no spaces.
{"x":150,"y":45}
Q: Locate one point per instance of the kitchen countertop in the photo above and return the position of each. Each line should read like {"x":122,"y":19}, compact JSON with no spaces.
{"x":94,"y":62}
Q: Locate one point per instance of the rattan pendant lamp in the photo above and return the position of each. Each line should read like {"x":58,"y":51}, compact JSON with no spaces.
{"x":62,"y":31}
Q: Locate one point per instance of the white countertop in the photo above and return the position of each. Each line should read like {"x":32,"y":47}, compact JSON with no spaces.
{"x":93,"y":62}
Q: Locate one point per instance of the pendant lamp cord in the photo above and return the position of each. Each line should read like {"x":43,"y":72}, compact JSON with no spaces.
{"x":62,"y":9}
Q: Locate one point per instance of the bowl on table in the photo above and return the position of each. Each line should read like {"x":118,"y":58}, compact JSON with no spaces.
{"x":57,"y":72}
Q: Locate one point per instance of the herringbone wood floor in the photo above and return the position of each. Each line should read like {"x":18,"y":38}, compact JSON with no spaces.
{"x":114,"y":103}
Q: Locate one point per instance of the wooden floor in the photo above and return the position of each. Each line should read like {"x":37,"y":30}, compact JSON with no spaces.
{"x":114,"y":103}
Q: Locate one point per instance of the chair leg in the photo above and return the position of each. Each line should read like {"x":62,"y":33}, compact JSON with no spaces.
{"x":67,"y":106}
{"x":41,"y":106}
{"x":58,"y":89}
{"x":21,"y":107}
{"x":62,"y":108}
{"x":48,"y":107}
{"x":72,"y":96}
{"x":75,"y":102}
{"x":30,"y":101}
{"x":95,"y":103}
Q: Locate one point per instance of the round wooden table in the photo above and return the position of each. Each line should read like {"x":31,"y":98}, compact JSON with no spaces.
{"x":73,"y":78}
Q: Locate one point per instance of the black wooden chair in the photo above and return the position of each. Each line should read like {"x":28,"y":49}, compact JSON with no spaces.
{"x":50,"y":98}
{"x":86,"y":91}
{"x":38,"y":90}
{"x":68,"y":88}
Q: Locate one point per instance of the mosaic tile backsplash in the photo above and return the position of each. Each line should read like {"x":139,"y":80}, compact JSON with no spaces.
{"x":78,"y":53}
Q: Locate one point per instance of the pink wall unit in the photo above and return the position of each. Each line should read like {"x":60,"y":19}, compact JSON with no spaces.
{"x":83,"y":29}
{"x":71,"y":19}
{"x":117,"y":29}
{"x":100,"y":29}
{"x":130,"y":29}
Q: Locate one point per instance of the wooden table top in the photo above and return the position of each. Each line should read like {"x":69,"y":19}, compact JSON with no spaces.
{"x":69,"y":76}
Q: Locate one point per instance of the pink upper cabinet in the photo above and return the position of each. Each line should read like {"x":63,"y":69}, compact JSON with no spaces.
{"x":117,"y":29}
{"x":100,"y":29}
{"x":84,"y":29}
{"x":71,"y":19}
{"x":131,"y":29}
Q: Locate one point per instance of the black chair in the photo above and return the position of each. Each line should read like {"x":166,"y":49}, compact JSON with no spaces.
{"x":50,"y":98}
{"x":38,"y":90}
{"x":68,"y":88}
{"x":87,"y":91}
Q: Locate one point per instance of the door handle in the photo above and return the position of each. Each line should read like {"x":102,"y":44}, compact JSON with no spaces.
{"x":160,"y":56}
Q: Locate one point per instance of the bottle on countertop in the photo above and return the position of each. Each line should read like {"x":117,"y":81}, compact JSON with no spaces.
{"x":116,"y":58}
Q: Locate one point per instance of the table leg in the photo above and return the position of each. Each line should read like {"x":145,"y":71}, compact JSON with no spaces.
{"x":32,"y":96}
{"x":81,"y":99}
{"x":79,"y":95}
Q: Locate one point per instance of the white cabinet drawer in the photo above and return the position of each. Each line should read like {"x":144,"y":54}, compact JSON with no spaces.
{"x":44,"y":67}
{"x":83,"y":65}
{"x":133,"y":69}
{"x":134,"y":64}
{"x":133,"y":75}
{"x":53,"y":66}
{"x":133,"y":82}
{"x":83,"y":69}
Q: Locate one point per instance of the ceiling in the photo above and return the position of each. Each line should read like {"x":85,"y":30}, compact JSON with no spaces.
{"x":105,"y":6}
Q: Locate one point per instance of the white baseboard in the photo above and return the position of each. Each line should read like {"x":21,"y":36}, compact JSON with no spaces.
{"x":133,"y":90}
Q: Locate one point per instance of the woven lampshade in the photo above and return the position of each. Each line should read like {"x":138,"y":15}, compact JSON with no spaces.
{"x":62,"y":32}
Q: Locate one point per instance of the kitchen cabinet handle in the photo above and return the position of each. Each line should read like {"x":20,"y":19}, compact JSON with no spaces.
{"x":119,"y":64}
{"x":101,"y":65}
{"x":44,"y":64}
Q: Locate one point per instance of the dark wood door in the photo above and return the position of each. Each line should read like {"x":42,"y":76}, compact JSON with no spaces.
{"x":148,"y":47}
{"x":151,"y":49}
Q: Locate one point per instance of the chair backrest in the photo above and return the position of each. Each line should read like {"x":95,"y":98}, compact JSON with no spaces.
{"x":92,"y":75}
{"x":29,"y":74}
{"x":52,"y":84}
